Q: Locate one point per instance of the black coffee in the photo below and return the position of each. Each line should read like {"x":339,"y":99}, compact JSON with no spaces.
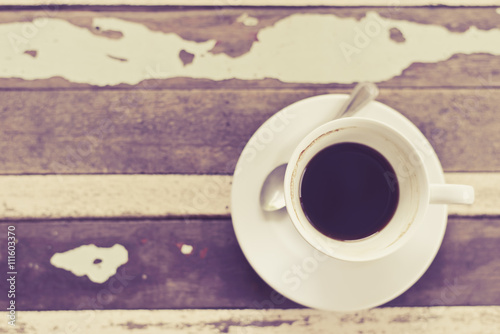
{"x":349,"y":191}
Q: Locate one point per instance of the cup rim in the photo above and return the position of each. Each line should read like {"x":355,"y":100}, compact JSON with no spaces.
{"x":291,"y":171}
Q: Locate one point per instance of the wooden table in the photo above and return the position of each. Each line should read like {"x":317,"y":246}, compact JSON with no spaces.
{"x":120,"y":127}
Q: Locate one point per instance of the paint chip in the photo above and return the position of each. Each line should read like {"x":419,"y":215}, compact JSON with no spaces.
{"x":117,"y":58}
{"x":112,"y":34}
{"x":203,"y":253}
{"x":186,"y":57}
{"x":32,"y":53}
{"x":498,"y":11}
{"x":396,"y":35}
{"x":81,"y":261}
{"x":186,"y":249}
{"x":247,"y":20}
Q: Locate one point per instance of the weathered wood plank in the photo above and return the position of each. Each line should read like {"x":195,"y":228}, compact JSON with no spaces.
{"x":290,"y":3}
{"x":149,"y":196}
{"x":487,"y":201}
{"x":249,"y":37}
{"x":397,"y":320}
{"x":204,"y":132}
{"x":114,"y":196}
{"x":214,"y":273}
{"x":157,"y":275}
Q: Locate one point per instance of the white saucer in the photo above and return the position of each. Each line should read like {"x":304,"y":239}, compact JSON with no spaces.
{"x":286,"y":261}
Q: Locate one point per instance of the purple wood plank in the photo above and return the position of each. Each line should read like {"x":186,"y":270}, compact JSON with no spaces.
{"x":216,"y":275}
{"x":157,"y":275}
{"x":203,"y":132}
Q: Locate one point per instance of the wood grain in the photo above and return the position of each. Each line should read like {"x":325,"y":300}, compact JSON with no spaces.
{"x":236,"y":39}
{"x":216,"y":275}
{"x":154,"y":196}
{"x":292,"y":3}
{"x":485,"y":186}
{"x":198,"y":126}
{"x":204,"y":132}
{"x":114,"y":196}
{"x":397,"y":320}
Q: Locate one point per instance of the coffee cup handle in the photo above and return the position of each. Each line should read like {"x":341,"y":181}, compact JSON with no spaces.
{"x":451,"y":194}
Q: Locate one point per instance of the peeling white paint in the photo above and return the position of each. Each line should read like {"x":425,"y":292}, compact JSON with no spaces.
{"x":309,"y":48}
{"x":247,"y":20}
{"x":383,"y":320}
{"x":186,"y":249}
{"x":97,"y":196}
{"x":80,"y":261}
{"x":259,"y":3}
{"x":498,"y":10}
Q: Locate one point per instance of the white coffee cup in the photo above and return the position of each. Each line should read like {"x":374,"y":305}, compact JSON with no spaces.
{"x":415,"y":191}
